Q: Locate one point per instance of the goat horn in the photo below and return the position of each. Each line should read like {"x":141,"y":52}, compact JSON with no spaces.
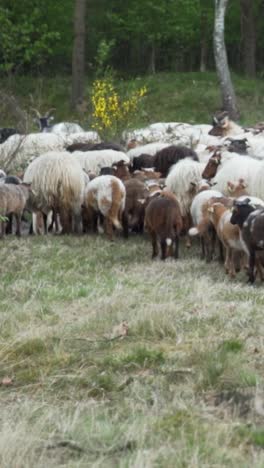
{"x":49,"y":111}
{"x":36,"y":112}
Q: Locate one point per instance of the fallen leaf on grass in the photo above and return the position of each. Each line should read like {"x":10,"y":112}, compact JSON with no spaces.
{"x":6,"y":381}
{"x":119,"y":331}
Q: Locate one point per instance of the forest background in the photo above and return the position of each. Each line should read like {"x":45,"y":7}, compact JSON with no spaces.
{"x":172,"y":39}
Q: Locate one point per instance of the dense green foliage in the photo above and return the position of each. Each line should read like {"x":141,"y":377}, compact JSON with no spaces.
{"x":164,"y":34}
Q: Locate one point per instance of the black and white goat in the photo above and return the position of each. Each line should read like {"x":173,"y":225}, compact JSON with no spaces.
{"x":250,"y":219}
{"x":45,"y":126}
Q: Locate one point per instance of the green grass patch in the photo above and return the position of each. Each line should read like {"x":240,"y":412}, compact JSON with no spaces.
{"x":186,"y":97}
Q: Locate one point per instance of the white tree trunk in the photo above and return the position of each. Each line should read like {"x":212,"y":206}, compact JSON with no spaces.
{"x":226,"y":86}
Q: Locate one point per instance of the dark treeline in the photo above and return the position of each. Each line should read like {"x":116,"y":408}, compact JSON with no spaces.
{"x":130,"y":36}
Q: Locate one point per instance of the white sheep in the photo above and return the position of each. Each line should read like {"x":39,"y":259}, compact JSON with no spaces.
{"x":257,"y":188}
{"x":57,"y":183}
{"x":183,"y":180}
{"x":238,"y":167}
{"x":93,"y":161}
{"x":106,"y":194}
{"x":19,"y":150}
{"x":81,"y":137}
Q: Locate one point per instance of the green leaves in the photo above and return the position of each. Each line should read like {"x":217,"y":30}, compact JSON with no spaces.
{"x":24,"y":39}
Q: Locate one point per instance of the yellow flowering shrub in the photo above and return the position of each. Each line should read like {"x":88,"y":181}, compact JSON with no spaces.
{"x":110,"y":112}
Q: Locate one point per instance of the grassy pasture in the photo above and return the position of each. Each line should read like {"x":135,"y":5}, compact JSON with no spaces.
{"x":171,"y":97}
{"x":185,"y":386}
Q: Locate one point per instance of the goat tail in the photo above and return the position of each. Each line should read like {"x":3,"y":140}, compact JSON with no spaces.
{"x":168,"y":241}
{"x":201,"y":228}
{"x":116,"y":223}
{"x":193,"y":231}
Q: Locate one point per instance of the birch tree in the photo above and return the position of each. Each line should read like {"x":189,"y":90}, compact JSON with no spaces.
{"x":227,"y":90}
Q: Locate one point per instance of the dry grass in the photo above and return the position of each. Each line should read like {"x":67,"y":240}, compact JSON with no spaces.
{"x":184,"y":388}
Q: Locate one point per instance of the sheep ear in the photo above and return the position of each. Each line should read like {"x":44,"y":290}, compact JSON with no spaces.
{"x":230,"y":187}
{"x":246,"y":201}
{"x":210,"y":209}
{"x":215,"y":121}
{"x":141,"y":201}
{"x":114,"y":167}
{"x":224,"y":122}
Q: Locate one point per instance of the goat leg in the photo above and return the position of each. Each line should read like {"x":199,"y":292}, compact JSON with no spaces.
{"x":176,"y":252}
{"x":154,"y":245}
{"x":252,"y":258}
{"x":163,"y":248}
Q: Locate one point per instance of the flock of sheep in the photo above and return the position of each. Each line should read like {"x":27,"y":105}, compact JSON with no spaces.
{"x":170,"y":179}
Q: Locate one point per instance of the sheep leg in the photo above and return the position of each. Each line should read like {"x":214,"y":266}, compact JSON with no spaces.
{"x":259,"y":269}
{"x":202,"y":247}
{"x":77,"y":223}
{"x":94,"y":222}
{"x":125,"y":224}
{"x":237,"y":261}
{"x":252,"y":259}
{"x":18,"y":224}
{"x":221,"y":257}
{"x":2,"y":229}
{"x":65,"y":221}
{"x":176,"y":251}
{"x":9,"y":224}
{"x":208,"y":246}
{"x":154,"y":245}
{"x":227,"y":260}
{"x":109,"y":228}
{"x":45,"y":222}
{"x":188,"y":243}
{"x":212,"y":232}
{"x":163,"y":248}
{"x":54,"y":220}
{"x":232,"y":258}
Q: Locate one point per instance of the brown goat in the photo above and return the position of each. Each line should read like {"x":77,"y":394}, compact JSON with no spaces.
{"x":119,"y":169}
{"x":228,"y":233}
{"x":136,"y":196}
{"x":163,"y":221}
{"x":146,"y":174}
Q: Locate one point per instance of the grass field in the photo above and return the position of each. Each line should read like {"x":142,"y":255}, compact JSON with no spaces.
{"x":182,"y":388}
